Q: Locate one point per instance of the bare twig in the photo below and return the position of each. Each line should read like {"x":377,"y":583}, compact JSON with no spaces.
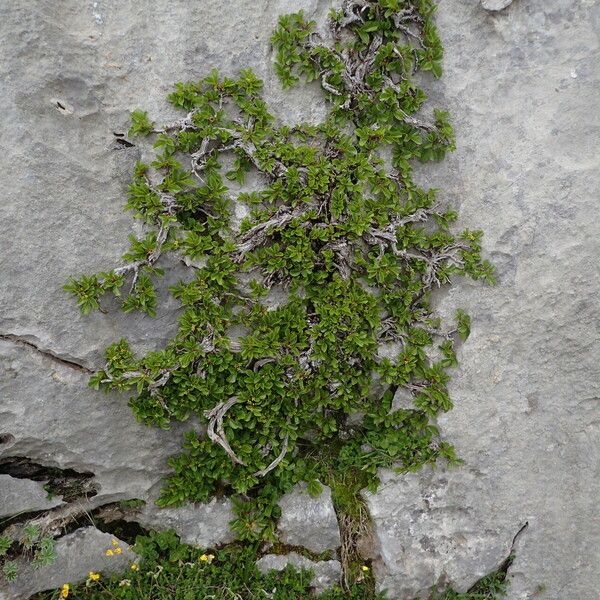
{"x":258,"y":235}
{"x":161,"y":237}
{"x":279,"y":458}
{"x":215,"y":429}
{"x":183,"y":124}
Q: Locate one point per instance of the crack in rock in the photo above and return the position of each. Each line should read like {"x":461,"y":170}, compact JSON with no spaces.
{"x":69,"y":484}
{"x":518,"y":535}
{"x":15,"y":339}
{"x":68,"y":517}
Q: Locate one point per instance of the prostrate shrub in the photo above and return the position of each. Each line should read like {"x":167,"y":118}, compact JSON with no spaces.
{"x":298,"y":326}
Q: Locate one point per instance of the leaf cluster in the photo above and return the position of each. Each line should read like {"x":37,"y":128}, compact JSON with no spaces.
{"x":32,"y":545}
{"x":367,"y":69}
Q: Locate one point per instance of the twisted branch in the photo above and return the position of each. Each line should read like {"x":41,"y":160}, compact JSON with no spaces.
{"x":161,"y":237}
{"x":215,"y":430}
{"x":277,"y":460}
{"x":259,"y":235}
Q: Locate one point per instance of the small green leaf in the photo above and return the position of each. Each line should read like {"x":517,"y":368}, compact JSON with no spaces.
{"x":140,"y":123}
{"x":463,"y":322}
{"x":314,"y":488}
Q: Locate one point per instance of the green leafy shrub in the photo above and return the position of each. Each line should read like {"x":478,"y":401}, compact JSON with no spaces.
{"x":356,"y":245}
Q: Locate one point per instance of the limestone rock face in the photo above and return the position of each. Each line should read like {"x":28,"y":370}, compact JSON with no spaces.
{"x":309,"y":522}
{"x":23,"y":495}
{"x":431,"y":532}
{"x":56,"y":421}
{"x":76,"y":555}
{"x":327,"y":573}
{"x":526,"y":418}
{"x":202,"y":525}
{"x":71,"y":76}
{"x":521,"y":83}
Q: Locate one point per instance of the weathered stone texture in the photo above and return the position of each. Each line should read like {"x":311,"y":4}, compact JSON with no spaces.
{"x":202,"y":525}
{"x":57,"y":421}
{"x":495,"y":5}
{"x":431,"y":531}
{"x":327,"y":573}
{"x":309,"y":522}
{"x":71,"y":73}
{"x":76,"y":555}
{"x":23,"y":495}
{"x":521,"y":84}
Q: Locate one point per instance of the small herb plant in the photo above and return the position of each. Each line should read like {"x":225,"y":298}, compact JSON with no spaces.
{"x":32,"y":545}
{"x":490,"y":587}
{"x":299,"y":324}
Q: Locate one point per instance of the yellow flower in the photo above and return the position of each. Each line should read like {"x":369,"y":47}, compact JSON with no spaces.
{"x":115,"y":542}
{"x":365,"y":568}
{"x":64,"y":591}
{"x":125,"y":583}
{"x":135,"y":567}
{"x":93,"y":576}
{"x":118,"y":550}
{"x":207,"y":558}
{"x":109,"y":552}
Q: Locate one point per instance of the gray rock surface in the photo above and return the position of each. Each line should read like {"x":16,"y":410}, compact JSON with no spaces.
{"x":23,"y":495}
{"x":307,"y":521}
{"x":495,"y":5}
{"x":77,"y":554}
{"x":72,"y":73}
{"x":521,"y":84}
{"x":431,"y":532}
{"x":202,"y":525}
{"x":327,"y":573}
{"x":57,"y":421}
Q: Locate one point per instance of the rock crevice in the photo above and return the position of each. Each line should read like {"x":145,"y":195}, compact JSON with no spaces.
{"x":26,"y":341}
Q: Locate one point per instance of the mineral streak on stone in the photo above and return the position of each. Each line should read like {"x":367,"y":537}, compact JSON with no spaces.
{"x":309,"y":522}
{"x":327,"y":573}
{"x":77,"y":554}
{"x":522,"y":91}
